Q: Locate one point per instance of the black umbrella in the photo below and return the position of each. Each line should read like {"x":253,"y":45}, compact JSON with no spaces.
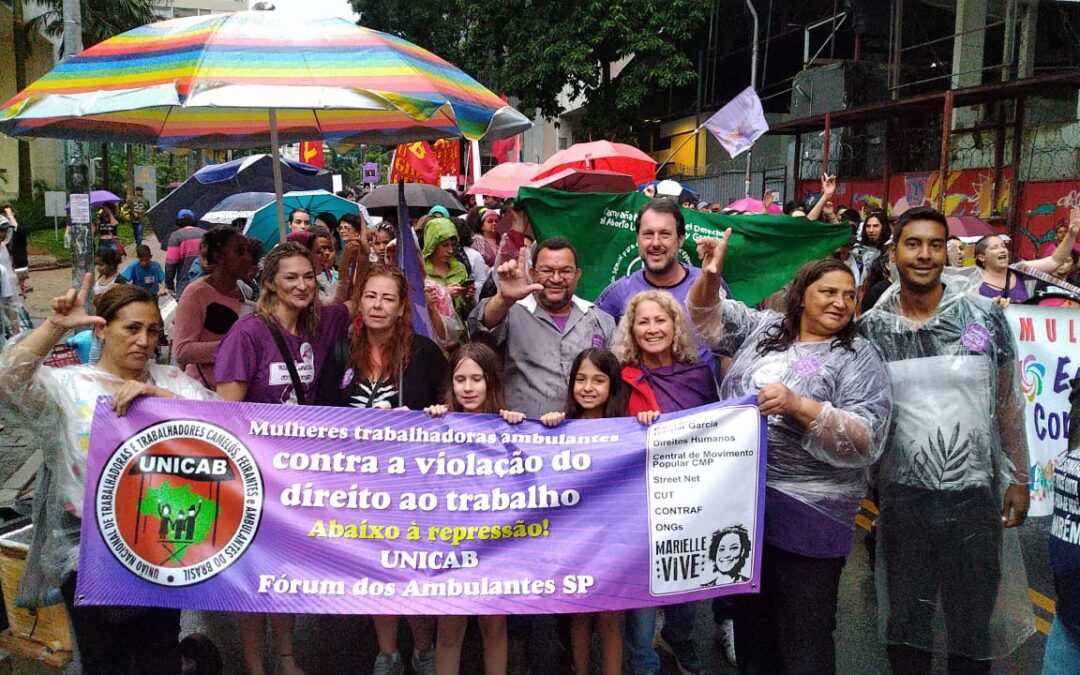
{"x":211,"y":184}
{"x":383,"y":200}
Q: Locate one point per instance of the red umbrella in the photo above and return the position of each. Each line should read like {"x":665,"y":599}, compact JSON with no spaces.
{"x":968,"y":226}
{"x":504,"y":179}
{"x":583,"y":180}
{"x":605,"y":156}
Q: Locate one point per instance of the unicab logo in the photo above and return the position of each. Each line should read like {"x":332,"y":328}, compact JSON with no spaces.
{"x":179,"y":502}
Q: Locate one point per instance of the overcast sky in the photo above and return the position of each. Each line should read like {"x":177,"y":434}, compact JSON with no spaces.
{"x":315,"y":7}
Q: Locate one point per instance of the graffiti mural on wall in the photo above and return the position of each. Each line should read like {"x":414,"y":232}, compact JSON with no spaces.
{"x":969,"y":192}
{"x":1045,"y":206}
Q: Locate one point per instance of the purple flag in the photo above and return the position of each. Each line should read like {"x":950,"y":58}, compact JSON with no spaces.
{"x":410,"y":262}
{"x":738,"y":124}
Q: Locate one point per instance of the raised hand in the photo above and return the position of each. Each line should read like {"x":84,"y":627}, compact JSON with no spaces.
{"x":766,"y":201}
{"x":711,"y":251}
{"x":1074,"y":221}
{"x":828,"y":185}
{"x":512,"y":282}
{"x":69,"y":309}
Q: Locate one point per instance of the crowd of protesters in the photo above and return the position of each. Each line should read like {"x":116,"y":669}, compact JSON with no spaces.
{"x":845,"y":363}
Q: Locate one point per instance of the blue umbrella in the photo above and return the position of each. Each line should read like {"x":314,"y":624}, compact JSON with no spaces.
{"x":240,"y":205}
{"x":264,"y":226}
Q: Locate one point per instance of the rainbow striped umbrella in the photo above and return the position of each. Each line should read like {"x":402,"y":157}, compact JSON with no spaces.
{"x":216,"y":81}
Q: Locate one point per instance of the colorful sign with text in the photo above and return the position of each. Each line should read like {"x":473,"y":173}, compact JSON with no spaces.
{"x":271,"y":508}
{"x":1048,"y":339}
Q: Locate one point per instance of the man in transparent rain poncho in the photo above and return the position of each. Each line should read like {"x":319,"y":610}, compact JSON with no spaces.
{"x":953,"y":481}
{"x":826,"y":394}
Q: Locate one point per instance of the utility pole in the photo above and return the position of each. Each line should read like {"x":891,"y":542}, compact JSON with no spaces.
{"x":82,"y":239}
{"x":26,"y":179}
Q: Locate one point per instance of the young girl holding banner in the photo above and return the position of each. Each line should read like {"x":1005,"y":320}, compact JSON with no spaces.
{"x":596,"y":391}
{"x":475,"y":387}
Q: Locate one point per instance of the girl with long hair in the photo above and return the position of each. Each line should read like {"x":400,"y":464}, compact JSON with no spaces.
{"x":596,"y":391}
{"x":475,"y":386}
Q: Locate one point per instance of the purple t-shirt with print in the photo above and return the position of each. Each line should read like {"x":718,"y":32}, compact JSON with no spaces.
{"x":248,"y":354}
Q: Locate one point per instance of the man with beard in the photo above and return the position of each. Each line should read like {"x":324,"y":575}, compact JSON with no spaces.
{"x":540,"y":326}
{"x":953,"y":481}
{"x":661,"y":232}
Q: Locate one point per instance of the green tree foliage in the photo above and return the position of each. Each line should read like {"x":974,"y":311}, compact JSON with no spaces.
{"x":101,"y":19}
{"x":534,"y":50}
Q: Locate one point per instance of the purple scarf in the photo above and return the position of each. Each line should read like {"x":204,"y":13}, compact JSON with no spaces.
{"x":681,"y":385}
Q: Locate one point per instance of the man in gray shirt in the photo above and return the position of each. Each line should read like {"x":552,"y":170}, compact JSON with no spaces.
{"x":540,"y":326}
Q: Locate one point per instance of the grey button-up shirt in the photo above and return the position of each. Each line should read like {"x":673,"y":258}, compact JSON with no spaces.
{"x":537,"y":355}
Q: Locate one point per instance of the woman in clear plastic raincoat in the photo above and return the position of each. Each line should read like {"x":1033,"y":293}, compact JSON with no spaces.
{"x":59,"y":404}
{"x":953,"y":480}
{"x":826,"y":395}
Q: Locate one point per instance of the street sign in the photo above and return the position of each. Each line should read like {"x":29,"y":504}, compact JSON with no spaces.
{"x":55,"y":204}
{"x":80,"y":208}
{"x":371,"y":173}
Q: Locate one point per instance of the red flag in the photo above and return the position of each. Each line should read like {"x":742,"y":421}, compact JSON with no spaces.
{"x":311,"y":152}
{"x":448,"y":153}
{"x":415,"y":163}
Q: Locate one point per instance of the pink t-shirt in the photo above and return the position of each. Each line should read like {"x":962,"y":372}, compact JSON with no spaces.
{"x":248,"y":354}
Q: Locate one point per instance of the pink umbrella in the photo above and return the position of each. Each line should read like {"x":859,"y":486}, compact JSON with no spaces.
{"x":968,"y":226}
{"x":603,"y":155}
{"x":582,"y":180}
{"x":753,"y":206}
{"x":504,"y":180}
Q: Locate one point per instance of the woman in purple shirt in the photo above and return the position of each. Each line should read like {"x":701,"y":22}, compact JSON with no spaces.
{"x":999,"y":281}
{"x":250,"y":367}
{"x":826,"y":394}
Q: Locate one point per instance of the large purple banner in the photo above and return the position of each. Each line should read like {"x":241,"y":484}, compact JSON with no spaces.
{"x":271,"y":508}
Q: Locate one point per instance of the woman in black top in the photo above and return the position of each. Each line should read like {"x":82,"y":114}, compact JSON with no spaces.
{"x":384,"y":365}
{"x":106,"y":228}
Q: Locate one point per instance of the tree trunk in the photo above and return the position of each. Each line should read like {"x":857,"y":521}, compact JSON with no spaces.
{"x":104,"y":179}
{"x":18,"y":23}
{"x":129,"y":170}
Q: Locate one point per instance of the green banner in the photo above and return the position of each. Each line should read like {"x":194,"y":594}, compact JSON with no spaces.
{"x":764,"y":253}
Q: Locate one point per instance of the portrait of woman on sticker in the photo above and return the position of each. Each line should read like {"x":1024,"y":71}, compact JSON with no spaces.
{"x":729,"y":550}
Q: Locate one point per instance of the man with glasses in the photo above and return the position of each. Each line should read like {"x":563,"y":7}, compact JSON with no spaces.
{"x":540,"y":325}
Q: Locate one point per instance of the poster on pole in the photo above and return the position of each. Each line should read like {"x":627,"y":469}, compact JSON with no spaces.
{"x":269,"y":508}
{"x":80,"y":208}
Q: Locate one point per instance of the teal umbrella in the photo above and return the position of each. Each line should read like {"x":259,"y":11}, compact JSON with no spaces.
{"x":264,"y":225}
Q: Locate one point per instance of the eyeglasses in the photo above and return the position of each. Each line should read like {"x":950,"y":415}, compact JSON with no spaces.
{"x":563,"y":272}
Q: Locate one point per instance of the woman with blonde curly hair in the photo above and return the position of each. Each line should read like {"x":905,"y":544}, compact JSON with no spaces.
{"x":665,"y":375}
{"x":660,"y":358}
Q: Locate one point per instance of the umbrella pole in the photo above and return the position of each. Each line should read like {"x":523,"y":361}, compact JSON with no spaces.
{"x":275,"y":156}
